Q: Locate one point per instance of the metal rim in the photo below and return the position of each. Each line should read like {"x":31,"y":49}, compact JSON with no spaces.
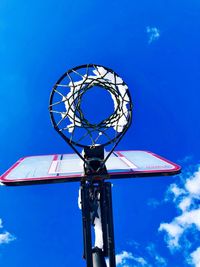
{"x":53,"y":92}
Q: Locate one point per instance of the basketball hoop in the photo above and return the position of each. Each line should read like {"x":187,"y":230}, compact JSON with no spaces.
{"x":79,"y":130}
{"x":67,"y":115}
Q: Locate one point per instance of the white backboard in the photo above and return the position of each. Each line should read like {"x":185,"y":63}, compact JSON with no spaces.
{"x":69,"y":167}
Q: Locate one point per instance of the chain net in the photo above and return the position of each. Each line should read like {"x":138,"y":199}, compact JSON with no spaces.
{"x":66,"y":108}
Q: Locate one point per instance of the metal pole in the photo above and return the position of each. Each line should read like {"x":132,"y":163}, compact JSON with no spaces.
{"x":104,"y":218}
{"x":110,"y":237}
{"x":98,"y":258}
{"x":86,"y":224}
{"x":95,"y":257}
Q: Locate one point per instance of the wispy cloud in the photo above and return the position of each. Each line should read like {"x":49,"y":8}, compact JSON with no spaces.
{"x":153,"y":34}
{"x":5,"y":237}
{"x":153,"y":203}
{"x":127,"y":259}
{"x":1,"y":223}
{"x":157,"y":258}
{"x":142,"y":256}
{"x":141,"y":261}
{"x":123,"y":257}
{"x":174,"y":231}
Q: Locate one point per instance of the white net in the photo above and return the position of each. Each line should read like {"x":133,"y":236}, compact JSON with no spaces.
{"x":68,"y":116}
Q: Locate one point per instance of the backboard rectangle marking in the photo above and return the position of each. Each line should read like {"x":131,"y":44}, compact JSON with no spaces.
{"x":147,"y":161}
{"x":126,"y":161}
{"x":66,"y":166}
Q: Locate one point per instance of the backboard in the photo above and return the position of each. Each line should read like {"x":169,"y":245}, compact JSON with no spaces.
{"x":69,"y":167}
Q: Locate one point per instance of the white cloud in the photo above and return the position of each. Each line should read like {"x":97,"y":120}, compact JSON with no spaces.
{"x":185,"y":204}
{"x":176,"y":191}
{"x":186,"y":198}
{"x":195,"y":257}
{"x":142,"y":257}
{"x":174,"y":231}
{"x":193,"y":184}
{"x":153,"y":34}
{"x":180,"y":233}
{"x":189,"y":218}
{"x":123,"y":257}
{"x":6,"y":238}
{"x":141,"y":261}
{"x":126,"y":259}
{"x":160,"y":261}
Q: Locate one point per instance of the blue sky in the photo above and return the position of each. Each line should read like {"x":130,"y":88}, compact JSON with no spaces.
{"x":154,"y":46}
